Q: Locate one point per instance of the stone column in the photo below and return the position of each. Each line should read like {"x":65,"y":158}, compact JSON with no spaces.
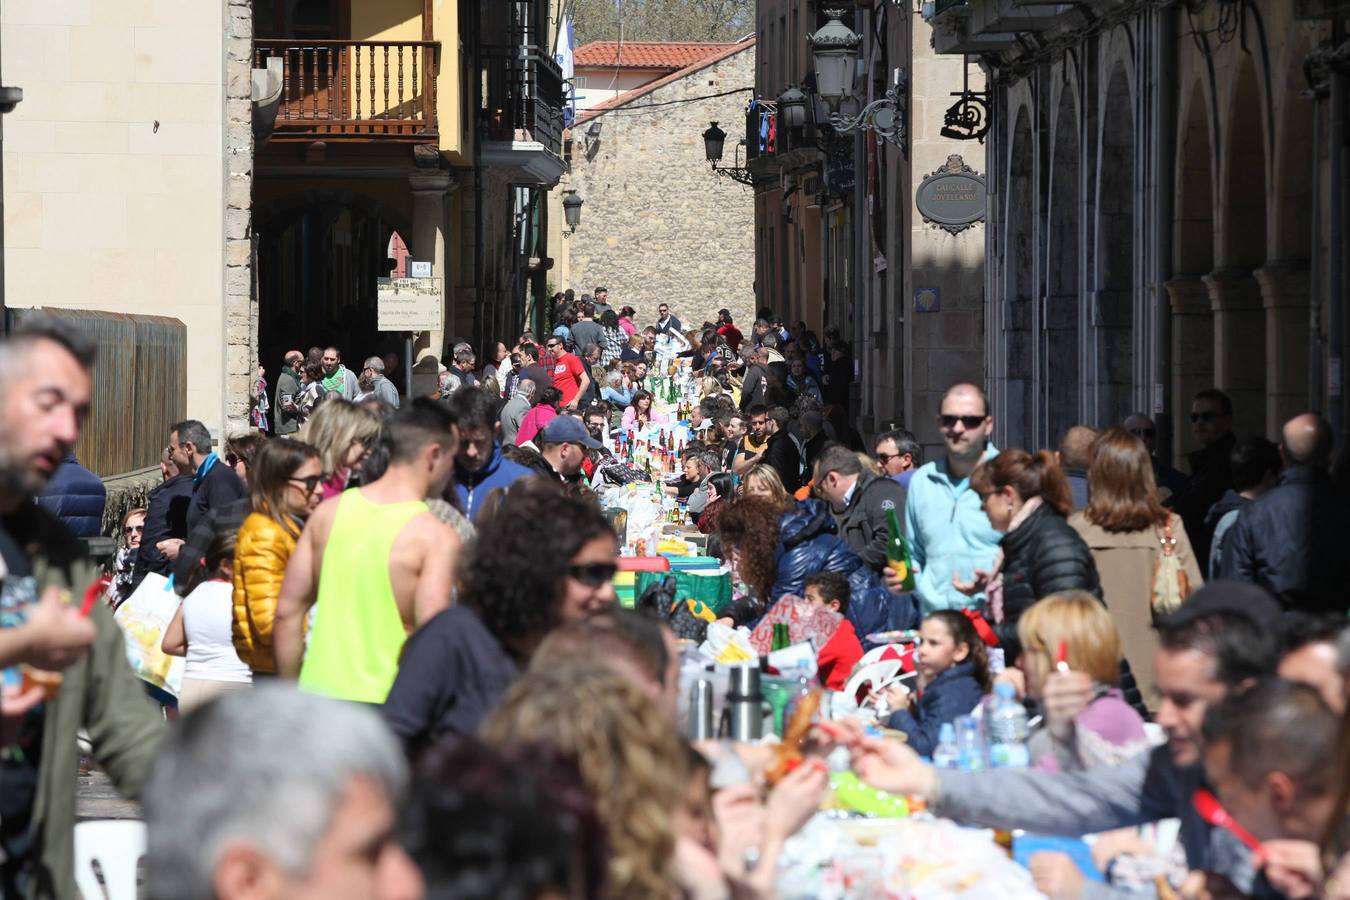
{"x":1284,"y":292}
{"x":1192,"y":354}
{"x":1239,"y":345}
{"x":240,"y":304}
{"x":429,"y":191}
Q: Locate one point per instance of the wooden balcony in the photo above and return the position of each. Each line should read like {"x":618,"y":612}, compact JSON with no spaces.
{"x":355,"y":90}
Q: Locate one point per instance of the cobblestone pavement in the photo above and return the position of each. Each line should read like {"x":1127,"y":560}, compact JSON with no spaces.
{"x":96,"y":798}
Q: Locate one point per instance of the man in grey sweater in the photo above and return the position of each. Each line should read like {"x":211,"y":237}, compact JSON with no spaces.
{"x":382,"y":389}
{"x":1221,"y":639}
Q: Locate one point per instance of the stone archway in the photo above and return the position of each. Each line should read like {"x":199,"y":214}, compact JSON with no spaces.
{"x":1019,"y":288}
{"x":1239,"y":319}
{"x":1113,"y":320}
{"x":1192,"y":258}
{"x":1062,"y":366}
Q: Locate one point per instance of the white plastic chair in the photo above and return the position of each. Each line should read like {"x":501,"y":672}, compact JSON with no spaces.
{"x":117,"y":845}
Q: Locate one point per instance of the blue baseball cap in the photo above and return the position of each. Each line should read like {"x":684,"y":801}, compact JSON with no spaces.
{"x":567,"y":430}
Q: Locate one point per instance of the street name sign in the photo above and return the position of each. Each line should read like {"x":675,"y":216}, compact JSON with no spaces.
{"x":953,"y":198}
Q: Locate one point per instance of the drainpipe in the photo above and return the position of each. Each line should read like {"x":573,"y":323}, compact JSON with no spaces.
{"x":1336,"y":395}
{"x":1164,"y":162}
{"x":1316,"y":386}
{"x":477,"y":129}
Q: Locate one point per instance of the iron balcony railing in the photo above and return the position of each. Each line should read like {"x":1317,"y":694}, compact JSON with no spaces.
{"x":524,"y":98}
{"x":355,"y":90}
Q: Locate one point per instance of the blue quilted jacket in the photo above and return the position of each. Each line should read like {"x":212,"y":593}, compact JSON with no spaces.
{"x":809,"y":543}
{"x":76,"y":496}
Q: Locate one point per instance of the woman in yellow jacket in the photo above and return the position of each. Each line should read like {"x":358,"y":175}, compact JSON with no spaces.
{"x":285,"y":486}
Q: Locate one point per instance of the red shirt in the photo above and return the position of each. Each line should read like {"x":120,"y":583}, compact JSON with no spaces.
{"x":567,"y":372}
{"x":732,"y":335}
{"x":835,"y":661}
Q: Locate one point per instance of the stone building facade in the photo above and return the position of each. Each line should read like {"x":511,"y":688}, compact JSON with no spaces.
{"x":1164,"y":215}
{"x":657,"y":225}
{"x":840,"y":242}
{"x":128,"y":175}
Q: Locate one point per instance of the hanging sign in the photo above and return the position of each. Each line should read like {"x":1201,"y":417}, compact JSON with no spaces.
{"x":952,"y":198}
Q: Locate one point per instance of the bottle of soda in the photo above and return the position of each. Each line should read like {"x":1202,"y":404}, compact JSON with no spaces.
{"x":897,"y":552}
{"x":781,"y":638}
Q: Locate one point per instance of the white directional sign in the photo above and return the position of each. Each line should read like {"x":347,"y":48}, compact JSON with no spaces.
{"x":409,"y":304}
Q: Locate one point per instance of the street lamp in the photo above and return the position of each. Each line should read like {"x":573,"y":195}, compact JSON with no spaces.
{"x":714,"y":139}
{"x":834,"y":53}
{"x":791,"y":108}
{"x":571,"y":211}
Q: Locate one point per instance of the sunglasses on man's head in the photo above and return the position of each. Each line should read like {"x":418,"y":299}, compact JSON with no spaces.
{"x":970,"y":422}
{"x":593,"y":574}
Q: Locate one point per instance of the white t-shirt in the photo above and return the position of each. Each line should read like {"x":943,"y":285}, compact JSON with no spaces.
{"x":208,"y":614}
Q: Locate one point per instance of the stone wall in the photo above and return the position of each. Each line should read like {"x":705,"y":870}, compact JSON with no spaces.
{"x":114,"y":183}
{"x":656,"y":224}
{"x":946,"y":346}
{"x":241,"y":301}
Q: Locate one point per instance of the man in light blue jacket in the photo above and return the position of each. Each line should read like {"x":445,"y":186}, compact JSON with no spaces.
{"x":949,"y":533}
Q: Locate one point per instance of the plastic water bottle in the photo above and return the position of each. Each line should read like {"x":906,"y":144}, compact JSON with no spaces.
{"x":970,"y":749}
{"x":1007,"y":726}
{"x":946,"y":755}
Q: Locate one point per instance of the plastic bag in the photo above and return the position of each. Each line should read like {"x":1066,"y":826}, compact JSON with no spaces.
{"x":728,"y":645}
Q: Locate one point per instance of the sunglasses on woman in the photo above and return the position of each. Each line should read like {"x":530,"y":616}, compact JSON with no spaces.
{"x":232,"y":460}
{"x":133,"y":529}
{"x":593,"y":574}
{"x":311,"y":482}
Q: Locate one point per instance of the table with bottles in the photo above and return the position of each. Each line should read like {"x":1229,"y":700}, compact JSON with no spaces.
{"x":864,"y":842}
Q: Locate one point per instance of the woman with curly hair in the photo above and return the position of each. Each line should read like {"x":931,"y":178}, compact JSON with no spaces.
{"x":625,"y":749}
{"x":516,"y":585}
{"x":773,"y":546}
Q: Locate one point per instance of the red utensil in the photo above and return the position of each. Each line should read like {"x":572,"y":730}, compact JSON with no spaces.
{"x":1212,"y":811}
{"x":1062,"y":657}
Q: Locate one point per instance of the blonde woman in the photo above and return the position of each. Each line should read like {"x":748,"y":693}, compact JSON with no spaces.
{"x":343,"y":433}
{"x":1087,"y":720}
{"x":630,"y":758}
{"x":763,"y":481}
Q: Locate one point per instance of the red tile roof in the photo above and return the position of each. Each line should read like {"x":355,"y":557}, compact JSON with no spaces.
{"x":670,"y":55}
{"x":627,"y":97}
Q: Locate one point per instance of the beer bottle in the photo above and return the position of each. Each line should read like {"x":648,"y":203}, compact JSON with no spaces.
{"x":897,"y":552}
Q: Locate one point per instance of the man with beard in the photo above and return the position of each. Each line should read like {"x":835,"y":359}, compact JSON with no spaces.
{"x":45,"y":391}
{"x":377,"y":563}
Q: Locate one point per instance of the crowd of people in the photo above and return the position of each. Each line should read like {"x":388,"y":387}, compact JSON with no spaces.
{"x":406,"y":673}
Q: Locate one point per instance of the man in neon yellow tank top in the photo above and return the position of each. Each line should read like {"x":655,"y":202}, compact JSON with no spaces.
{"x":377,"y":563}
